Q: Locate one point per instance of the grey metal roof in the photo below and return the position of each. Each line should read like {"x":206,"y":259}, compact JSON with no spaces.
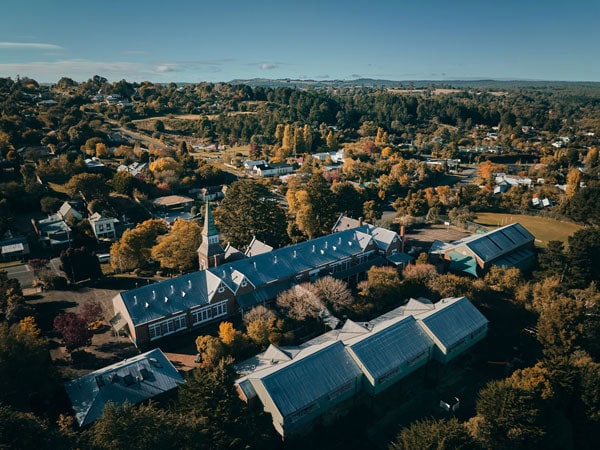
{"x":321,"y":370}
{"x":257,"y":247}
{"x":498,"y":242}
{"x":132,"y":380}
{"x":383,"y":237}
{"x":452,"y":320}
{"x":158,"y":300}
{"x":390,"y":346}
{"x":288,"y":261}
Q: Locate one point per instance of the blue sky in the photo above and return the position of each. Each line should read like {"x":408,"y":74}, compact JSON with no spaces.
{"x":199,"y":40}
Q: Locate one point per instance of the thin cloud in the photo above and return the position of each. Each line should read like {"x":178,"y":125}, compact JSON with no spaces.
{"x":164,"y":68}
{"x":266,"y":66}
{"x":135,"y":52}
{"x":29,"y":46}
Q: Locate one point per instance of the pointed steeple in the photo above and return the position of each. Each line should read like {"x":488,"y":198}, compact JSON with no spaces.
{"x":210,"y":252}
{"x":209,"y":223}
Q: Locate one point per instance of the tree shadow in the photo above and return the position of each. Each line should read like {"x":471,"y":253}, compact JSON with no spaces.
{"x":119,"y":349}
{"x":46,"y":312}
{"x":82,"y":359}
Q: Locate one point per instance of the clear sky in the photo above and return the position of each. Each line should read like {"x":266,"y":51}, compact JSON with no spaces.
{"x":201,"y":40}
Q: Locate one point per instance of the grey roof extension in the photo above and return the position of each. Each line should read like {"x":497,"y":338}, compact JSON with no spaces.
{"x":132,"y":380}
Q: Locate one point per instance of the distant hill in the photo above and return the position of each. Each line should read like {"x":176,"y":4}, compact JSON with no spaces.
{"x":411,"y":84}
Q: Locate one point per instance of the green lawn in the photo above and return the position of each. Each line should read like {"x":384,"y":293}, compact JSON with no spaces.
{"x":542,"y":228}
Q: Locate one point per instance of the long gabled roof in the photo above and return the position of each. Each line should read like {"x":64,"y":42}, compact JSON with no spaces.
{"x":132,"y":380}
{"x":158,"y":300}
{"x":312,"y":374}
{"x":452,"y":319}
{"x":285,"y":262}
{"x":498,"y":242}
{"x":390,"y":345}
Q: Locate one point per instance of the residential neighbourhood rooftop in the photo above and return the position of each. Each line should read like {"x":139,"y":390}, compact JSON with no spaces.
{"x":133,"y":380}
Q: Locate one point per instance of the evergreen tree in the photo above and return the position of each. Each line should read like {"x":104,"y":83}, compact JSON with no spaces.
{"x":249,"y":210}
{"x":315,"y":209}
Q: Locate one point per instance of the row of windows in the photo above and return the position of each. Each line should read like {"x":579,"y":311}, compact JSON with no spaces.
{"x":209,"y":312}
{"x":166,"y":327}
{"x":178,"y":323}
{"x":341,"y":390}
{"x":303,"y":412}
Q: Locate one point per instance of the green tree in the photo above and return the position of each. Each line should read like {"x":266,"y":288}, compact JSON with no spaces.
{"x":431,"y":434}
{"x":372,"y":211}
{"x":249,"y":210}
{"x":124,"y":183}
{"x":87,"y":185}
{"x":24,"y":431}
{"x":347,"y":199}
{"x":140,"y":427}
{"x":584,"y":256}
{"x":209,"y":395}
{"x":508,"y":417}
{"x":177,"y":249}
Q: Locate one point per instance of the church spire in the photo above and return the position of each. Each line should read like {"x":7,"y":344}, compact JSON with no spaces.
{"x":210,"y":252}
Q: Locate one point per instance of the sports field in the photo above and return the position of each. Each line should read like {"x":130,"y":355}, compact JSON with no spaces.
{"x":542,"y":228}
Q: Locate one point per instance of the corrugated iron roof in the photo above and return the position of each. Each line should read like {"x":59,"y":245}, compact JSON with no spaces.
{"x":452,"y":320}
{"x":132,"y":380}
{"x":390,"y":345}
{"x":308,"y":377}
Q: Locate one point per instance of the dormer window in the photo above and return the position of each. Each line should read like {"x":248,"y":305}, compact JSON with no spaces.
{"x":221,"y":289}
{"x":243,"y":283}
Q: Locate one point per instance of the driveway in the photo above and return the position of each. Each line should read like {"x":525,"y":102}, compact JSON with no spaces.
{"x":23,"y":273}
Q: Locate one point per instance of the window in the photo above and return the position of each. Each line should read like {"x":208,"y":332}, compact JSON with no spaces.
{"x":303,"y":412}
{"x":340,"y":391}
{"x":108,"y":226}
{"x":166,"y":327}
{"x":100,"y":227}
{"x":221,"y":289}
{"x":209,"y":312}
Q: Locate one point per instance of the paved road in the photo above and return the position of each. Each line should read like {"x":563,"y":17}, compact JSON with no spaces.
{"x":23,"y":273}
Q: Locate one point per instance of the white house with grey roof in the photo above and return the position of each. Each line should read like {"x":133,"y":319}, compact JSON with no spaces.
{"x":134,"y":380}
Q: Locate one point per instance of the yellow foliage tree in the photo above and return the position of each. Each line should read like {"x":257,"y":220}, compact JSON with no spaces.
{"x":227,"y":333}
{"x":28,"y":327}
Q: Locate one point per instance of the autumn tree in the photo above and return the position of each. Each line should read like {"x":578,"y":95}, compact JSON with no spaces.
{"x":263,"y":330}
{"x":21,"y":430}
{"x":210,"y":350}
{"x":382,"y":285}
{"x":372,"y":211}
{"x":135,"y":246}
{"x":74,"y":330}
{"x":249,"y":210}
{"x":124,"y":183}
{"x":177,"y":249}
{"x":92,"y":311}
{"x":315,"y":213}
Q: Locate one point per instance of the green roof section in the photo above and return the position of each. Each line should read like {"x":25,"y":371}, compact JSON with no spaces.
{"x":462,"y":263}
{"x":209,"y":223}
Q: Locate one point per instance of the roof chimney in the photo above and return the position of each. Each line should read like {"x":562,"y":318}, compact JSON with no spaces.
{"x":147,"y":305}
{"x":254,"y":263}
{"x":275,"y":259}
{"x":153,"y":294}
{"x":172,"y":289}
{"x":294,"y":253}
{"x":190,"y":284}
{"x":224,"y":274}
{"x":326,"y":244}
{"x":166,"y":299}
{"x":135,"y":299}
{"x":313,"y":248}
{"x":360,"y":221}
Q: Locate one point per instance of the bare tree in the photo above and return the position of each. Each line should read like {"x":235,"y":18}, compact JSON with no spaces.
{"x":334,"y":293}
{"x":300,"y":302}
{"x":259,"y":312}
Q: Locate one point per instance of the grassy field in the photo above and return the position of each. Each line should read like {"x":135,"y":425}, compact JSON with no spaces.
{"x":542,"y":228}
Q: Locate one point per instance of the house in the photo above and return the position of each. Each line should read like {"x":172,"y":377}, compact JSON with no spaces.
{"x":13,"y":247}
{"x":173,"y":207}
{"x":69,"y":212}
{"x":52,"y":231}
{"x":224,"y":288}
{"x":512,"y":180}
{"x":508,"y":246}
{"x":94,"y":164}
{"x":271,"y":170}
{"x":298,"y":384}
{"x":250,"y":164}
{"x":137,"y":169}
{"x":143,"y":377}
{"x":104,"y":227}
{"x":335,"y":157}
